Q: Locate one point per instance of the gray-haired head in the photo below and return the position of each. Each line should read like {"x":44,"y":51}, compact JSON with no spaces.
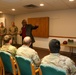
{"x":27,"y":41}
{"x":7,"y":38}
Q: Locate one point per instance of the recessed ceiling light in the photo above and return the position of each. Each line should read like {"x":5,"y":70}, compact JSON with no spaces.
{"x":71,"y":0}
{"x":13,"y":9}
{"x":1,"y":12}
{"x":41,"y":4}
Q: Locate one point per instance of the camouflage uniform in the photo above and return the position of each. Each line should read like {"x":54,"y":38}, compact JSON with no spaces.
{"x":60,"y":61}
{"x":3,"y":31}
{"x":9,"y":48}
{"x":30,"y":53}
{"x":13,"y":30}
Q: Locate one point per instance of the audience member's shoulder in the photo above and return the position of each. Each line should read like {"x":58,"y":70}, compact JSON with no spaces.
{"x":11,"y":46}
{"x":67,"y":59}
{"x":46,"y":57}
{"x":33,"y":50}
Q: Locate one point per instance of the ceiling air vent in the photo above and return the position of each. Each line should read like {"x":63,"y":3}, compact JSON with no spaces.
{"x":30,"y":6}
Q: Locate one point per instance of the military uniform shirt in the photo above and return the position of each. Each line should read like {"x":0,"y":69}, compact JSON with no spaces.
{"x":30,"y":53}
{"x":13,"y":30}
{"x":60,"y":61}
{"x":9,"y":48}
{"x":3,"y":30}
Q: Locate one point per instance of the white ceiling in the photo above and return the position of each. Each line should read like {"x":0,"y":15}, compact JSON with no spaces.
{"x":7,"y":5}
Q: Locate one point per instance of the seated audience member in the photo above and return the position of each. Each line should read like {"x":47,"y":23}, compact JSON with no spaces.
{"x":54,"y":58}
{"x":7,"y":45}
{"x":28,"y":52}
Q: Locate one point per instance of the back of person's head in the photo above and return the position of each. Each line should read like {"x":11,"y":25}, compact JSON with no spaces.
{"x":54,"y":46}
{"x":7,"y":38}
{"x":27,"y":41}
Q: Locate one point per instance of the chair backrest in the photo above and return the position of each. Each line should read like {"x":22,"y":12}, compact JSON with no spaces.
{"x":2,"y":71}
{"x":51,"y":70}
{"x":25,"y":66}
{"x":8,"y":62}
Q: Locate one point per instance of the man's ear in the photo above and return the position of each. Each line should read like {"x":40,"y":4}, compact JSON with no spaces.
{"x":30,"y":44}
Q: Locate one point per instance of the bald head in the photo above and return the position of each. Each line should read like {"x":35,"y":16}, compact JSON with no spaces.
{"x":27,"y":41}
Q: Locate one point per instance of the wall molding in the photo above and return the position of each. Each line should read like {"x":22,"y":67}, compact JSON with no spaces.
{"x":63,"y":36}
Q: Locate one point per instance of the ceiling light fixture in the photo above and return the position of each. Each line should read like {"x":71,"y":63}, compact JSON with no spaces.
{"x":41,"y":4}
{"x":71,"y":0}
{"x":13,"y":9}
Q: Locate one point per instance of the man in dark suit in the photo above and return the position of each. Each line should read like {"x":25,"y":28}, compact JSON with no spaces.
{"x":26,"y":30}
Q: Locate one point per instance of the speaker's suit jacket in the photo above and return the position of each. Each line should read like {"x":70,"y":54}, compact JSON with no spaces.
{"x":28,"y":32}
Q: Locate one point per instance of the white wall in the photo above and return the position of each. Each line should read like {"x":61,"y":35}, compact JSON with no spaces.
{"x":8,"y":20}
{"x":57,"y":19}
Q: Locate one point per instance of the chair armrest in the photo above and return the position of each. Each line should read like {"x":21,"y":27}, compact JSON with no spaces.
{"x":37,"y":70}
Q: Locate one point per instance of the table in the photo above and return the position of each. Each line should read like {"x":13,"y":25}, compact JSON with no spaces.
{"x":71,"y":45}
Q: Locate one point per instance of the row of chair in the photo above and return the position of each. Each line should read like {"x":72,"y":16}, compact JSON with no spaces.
{"x":23,"y":66}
